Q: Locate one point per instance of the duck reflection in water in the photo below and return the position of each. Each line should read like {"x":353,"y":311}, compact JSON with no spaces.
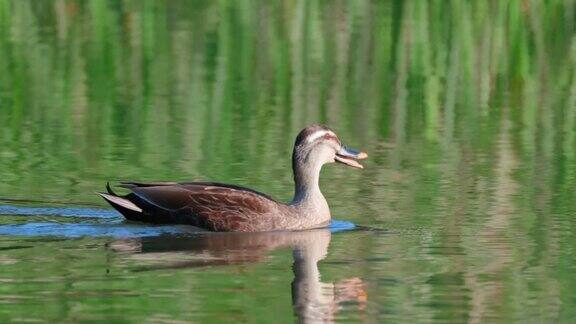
{"x":313,"y":300}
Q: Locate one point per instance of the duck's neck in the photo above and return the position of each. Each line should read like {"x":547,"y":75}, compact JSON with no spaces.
{"x":307,"y":196}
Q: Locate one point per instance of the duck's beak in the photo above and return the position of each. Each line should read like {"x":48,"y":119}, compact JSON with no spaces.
{"x":350,"y":157}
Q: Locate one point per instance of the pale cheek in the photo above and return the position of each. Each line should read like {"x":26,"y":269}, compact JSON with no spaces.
{"x":330,"y":158}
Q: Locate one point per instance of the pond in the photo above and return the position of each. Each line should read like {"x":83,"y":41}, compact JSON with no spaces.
{"x":465,"y":211}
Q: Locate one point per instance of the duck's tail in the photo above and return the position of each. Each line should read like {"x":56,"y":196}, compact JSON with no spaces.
{"x":122,"y":204}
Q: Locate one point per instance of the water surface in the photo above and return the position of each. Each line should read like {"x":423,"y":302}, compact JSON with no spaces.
{"x":465,"y":211}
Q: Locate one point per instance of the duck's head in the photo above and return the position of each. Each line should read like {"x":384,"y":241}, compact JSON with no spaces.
{"x":317,"y":145}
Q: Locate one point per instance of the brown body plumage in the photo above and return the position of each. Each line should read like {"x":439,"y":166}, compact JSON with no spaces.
{"x":222,"y":207}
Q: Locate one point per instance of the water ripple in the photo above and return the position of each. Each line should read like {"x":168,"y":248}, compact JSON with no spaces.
{"x":120,"y":228}
{"x":58,"y":211}
{"x":82,"y":230}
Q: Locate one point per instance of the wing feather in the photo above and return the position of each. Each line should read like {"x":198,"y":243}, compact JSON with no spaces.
{"x":211,"y":205}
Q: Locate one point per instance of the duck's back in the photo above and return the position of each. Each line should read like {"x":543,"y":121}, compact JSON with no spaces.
{"x":213,"y":206}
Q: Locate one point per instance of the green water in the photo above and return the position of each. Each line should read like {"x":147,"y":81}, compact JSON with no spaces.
{"x":466,"y":108}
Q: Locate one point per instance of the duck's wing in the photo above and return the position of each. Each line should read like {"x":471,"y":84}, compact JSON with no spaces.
{"x":212,"y":206}
{"x":191,"y":185}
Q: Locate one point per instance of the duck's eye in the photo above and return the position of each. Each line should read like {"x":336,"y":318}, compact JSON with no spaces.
{"x":322,"y":136}
{"x":331,"y":137}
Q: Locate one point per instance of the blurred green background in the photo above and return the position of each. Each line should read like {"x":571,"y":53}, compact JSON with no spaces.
{"x":466,"y":108}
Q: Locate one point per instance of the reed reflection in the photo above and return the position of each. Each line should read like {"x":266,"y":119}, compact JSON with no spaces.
{"x":313,"y":300}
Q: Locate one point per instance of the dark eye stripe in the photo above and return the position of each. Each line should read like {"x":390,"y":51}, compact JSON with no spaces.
{"x":331,"y":137}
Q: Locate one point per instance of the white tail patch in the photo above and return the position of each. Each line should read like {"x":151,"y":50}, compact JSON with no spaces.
{"x":122,"y":202}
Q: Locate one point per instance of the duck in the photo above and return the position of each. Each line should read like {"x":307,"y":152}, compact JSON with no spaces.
{"x":222,"y":207}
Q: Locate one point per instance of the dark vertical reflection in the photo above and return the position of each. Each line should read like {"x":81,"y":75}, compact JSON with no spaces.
{"x":313,"y":300}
